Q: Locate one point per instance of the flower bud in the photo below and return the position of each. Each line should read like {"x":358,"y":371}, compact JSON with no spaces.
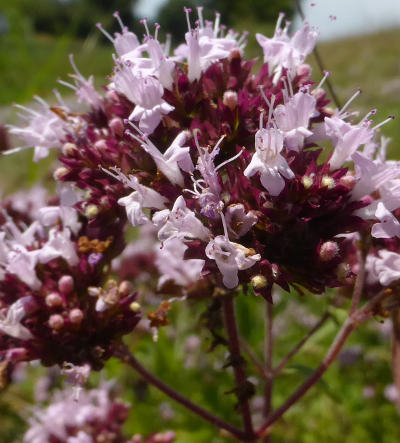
{"x":66,"y":284}
{"x":117,"y":126}
{"x":53,"y":300}
{"x":304,"y":70}
{"x":100,"y":145}
{"x":307,"y":181}
{"x":348,"y":180}
{"x":91,"y":211}
{"x":259,"y":281}
{"x":125,"y":288}
{"x":76,"y":316}
{"x":135,"y":306}
{"x":60,"y":172}
{"x":112,"y":95}
{"x":56,"y":322}
{"x":328,"y":182}
{"x":230,"y":99}
{"x":69,"y":149}
{"x":328,"y":251}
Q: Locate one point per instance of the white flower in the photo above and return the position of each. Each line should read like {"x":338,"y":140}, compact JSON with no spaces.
{"x":44,"y":130}
{"x":172,"y":266}
{"x":179,"y":222}
{"x":230,"y":258}
{"x":268,"y":161}
{"x":280,"y":51}
{"x":10,"y":323}
{"x":146,"y":93}
{"x":237,"y":221}
{"x":346,"y":139}
{"x":59,"y":245}
{"x":293,"y":117}
{"x":388,"y":227}
{"x":385,"y":268}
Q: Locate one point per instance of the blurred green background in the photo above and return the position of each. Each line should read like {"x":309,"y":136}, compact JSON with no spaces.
{"x":349,"y":405}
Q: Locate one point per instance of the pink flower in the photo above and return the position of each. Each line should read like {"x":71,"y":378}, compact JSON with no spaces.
{"x":239,"y":222}
{"x":172,"y":266}
{"x":385,"y":268}
{"x":293,"y":118}
{"x":230,"y":258}
{"x":204,"y":47}
{"x":388,"y":227}
{"x":280,"y":51}
{"x":268,"y":161}
{"x":179,"y":222}
{"x":346,"y":139}
{"x":146,"y":93}
{"x":44,"y":130}
{"x":10,"y":323}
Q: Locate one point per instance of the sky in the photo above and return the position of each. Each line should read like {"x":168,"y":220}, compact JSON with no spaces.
{"x":334,"y":18}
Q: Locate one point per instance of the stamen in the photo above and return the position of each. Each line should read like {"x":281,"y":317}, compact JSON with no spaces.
{"x":222,"y":32}
{"x":224,"y":225}
{"x":144,"y":23}
{"x":187,"y":12}
{"x":242,"y":37}
{"x":230,"y":160}
{"x":271,"y":109}
{"x":167,"y":46}
{"x":261,"y":88}
{"x":372,"y":112}
{"x":100,"y":27}
{"x":200,"y":15}
{"x":68,"y":85}
{"x":289,"y":80}
{"x":279,"y":22}
{"x":116,"y":15}
{"x":326,"y":75}
{"x":41,"y":101}
{"x":347,"y":104}
{"x":24,"y":108}
{"x":390,"y":118}
{"x":216,"y":23}
{"x":157,"y":26}
{"x":261,"y":121}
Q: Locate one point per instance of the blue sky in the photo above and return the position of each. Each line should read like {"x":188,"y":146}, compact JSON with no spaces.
{"x":352,"y":16}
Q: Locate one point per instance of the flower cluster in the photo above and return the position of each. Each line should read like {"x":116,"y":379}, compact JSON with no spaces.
{"x":245,"y":177}
{"x":226,"y":164}
{"x":96,"y":416}
{"x":57,"y":303}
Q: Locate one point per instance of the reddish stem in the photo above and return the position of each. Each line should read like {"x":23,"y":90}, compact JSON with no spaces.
{"x":299,"y":345}
{"x":124,"y":354}
{"x":237,"y":362}
{"x":268,"y":365}
{"x":396,"y":350}
{"x":353,"y":321}
{"x":335,"y":348}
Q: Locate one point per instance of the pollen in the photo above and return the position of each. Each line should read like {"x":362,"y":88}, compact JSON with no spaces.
{"x":307,"y":181}
{"x":328,"y":182}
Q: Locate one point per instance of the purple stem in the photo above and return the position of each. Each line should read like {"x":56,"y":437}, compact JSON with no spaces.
{"x":238,"y":369}
{"x":124,"y":354}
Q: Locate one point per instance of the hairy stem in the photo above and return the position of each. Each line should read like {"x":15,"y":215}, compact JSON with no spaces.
{"x":238,"y":364}
{"x":124,"y":354}
{"x":276,"y":371}
{"x":269,"y":341}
